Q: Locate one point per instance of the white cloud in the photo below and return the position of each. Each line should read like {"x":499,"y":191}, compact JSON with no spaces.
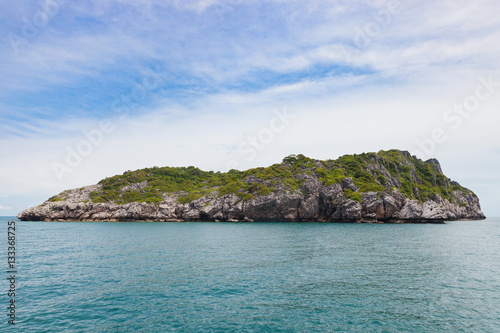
{"x":384,"y":95}
{"x":4,"y":208}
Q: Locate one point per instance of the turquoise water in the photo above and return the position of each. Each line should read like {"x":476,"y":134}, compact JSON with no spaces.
{"x":256,"y":277}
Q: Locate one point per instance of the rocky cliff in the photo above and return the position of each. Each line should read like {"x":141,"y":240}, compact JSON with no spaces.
{"x":388,"y":186}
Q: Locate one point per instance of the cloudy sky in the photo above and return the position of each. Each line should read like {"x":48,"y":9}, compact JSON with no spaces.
{"x":90,"y":89}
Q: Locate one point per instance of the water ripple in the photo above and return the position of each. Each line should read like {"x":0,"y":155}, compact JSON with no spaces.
{"x":262,"y":277}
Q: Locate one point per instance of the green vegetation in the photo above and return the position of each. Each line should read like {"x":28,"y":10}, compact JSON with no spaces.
{"x":353,"y":195}
{"x":60,"y":197}
{"x":248,"y":196}
{"x":233,"y":187}
{"x":195,"y":195}
{"x":330,"y":176}
{"x":419,"y":180}
{"x":370,"y":172}
{"x":55,"y":198}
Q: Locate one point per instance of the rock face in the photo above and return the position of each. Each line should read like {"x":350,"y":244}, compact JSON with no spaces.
{"x":313,"y":201}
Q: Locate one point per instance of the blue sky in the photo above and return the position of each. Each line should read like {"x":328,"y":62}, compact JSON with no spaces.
{"x":219,"y":84}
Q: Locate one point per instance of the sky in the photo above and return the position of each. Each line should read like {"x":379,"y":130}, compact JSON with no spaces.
{"x":90,"y":89}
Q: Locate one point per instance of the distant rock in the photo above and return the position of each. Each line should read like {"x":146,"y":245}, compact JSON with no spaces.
{"x":388,"y":186}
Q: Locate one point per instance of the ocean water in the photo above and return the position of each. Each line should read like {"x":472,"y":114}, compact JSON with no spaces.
{"x":254,"y":277}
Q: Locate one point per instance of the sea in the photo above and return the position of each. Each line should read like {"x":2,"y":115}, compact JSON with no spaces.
{"x":250,"y":277}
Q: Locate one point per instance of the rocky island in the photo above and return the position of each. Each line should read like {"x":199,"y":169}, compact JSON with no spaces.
{"x":388,"y":186}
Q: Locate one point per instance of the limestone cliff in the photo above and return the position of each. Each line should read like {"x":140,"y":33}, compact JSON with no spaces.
{"x":388,"y":186}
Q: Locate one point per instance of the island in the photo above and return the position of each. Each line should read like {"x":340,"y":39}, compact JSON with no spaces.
{"x":388,"y":186}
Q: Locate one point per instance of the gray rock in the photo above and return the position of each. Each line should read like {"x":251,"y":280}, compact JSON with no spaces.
{"x":312,"y":202}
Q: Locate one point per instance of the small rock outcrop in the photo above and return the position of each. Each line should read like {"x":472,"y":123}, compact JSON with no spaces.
{"x":389,"y":186}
